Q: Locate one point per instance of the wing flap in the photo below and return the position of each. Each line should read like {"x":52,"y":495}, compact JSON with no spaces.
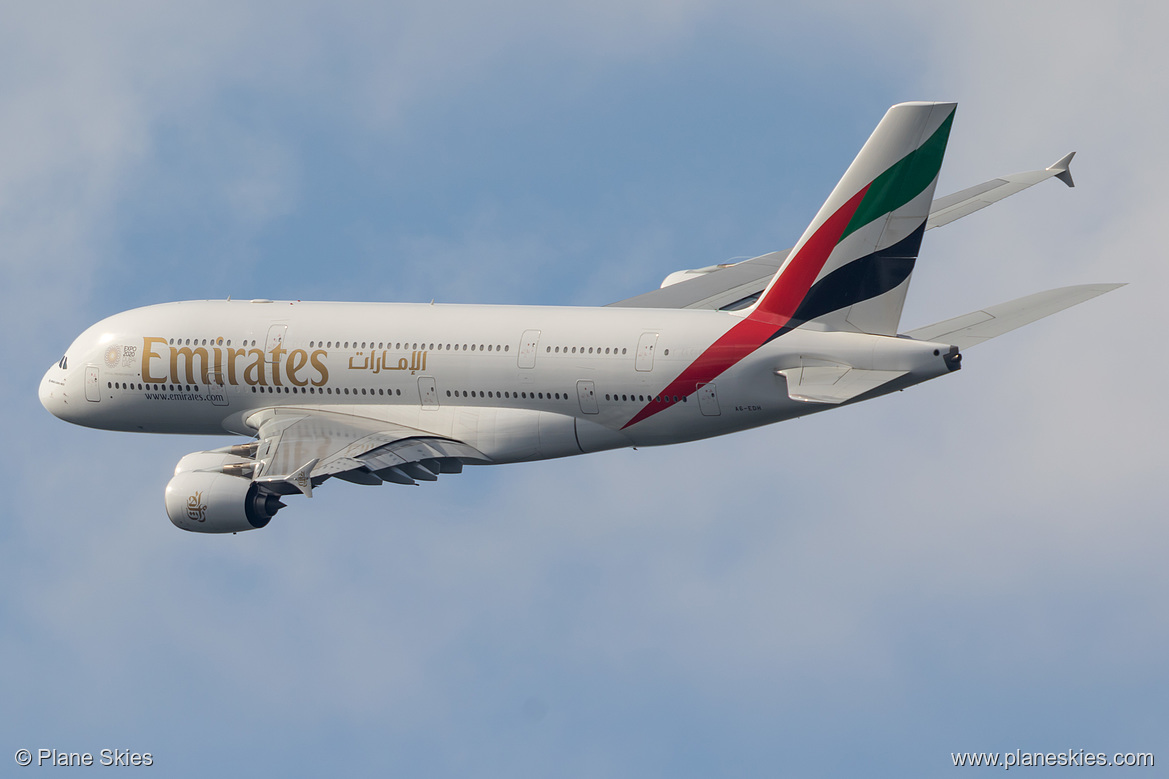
{"x":979,"y":326}
{"x":419,"y":450}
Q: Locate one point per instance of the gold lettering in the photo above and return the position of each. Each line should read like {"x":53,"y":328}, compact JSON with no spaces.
{"x":148,"y":355}
{"x":254,"y":373}
{"x":232,"y":354}
{"x":277,"y":350}
{"x":189,"y":356}
{"x":319,"y":364}
{"x":297,"y":359}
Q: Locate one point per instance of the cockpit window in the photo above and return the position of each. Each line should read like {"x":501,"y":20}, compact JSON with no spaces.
{"x":64,"y":364}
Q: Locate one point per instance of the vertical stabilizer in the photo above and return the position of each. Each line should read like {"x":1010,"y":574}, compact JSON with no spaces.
{"x":850,"y":270}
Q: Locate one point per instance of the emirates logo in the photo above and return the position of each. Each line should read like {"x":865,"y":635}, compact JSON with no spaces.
{"x":196,"y":508}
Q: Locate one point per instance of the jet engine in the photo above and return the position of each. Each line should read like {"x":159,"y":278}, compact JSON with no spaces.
{"x":210,"y":502}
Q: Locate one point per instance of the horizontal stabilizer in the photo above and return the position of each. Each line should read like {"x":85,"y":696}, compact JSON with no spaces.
{"x":821,"y":381}
{"x":978,"y":326}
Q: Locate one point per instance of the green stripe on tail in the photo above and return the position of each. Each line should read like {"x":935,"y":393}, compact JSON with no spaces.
{"x":904,"y":181}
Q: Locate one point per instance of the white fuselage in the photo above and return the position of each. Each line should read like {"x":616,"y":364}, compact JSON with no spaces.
{"x":516,"y":382}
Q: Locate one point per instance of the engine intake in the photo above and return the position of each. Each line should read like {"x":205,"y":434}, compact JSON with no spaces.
{"x":207,"y":502}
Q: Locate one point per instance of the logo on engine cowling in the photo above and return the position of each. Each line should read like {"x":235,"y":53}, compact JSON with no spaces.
{"x":196,"y":508}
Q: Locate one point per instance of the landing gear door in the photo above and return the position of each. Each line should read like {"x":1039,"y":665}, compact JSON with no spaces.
{"x":92,"y":383}
{"x":646,"y":346}
{"x":708,"y":400}
{"x":586,"y":393}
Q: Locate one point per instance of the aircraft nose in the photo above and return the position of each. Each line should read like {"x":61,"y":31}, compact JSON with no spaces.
{"x":51,"y":391}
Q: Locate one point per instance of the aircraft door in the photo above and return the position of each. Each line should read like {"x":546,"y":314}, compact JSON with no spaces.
{"x":218,"y":389}
{"x":645,"y":352}
{"x":92,"y":383}
{"x":275,"y":339}
{"x":528,"y":343}
{"x":708,"y":400}
{"x":428,"y":392}
{"x":586,"y":393}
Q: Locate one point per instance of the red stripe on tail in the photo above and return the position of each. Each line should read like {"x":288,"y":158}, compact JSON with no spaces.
{"x":771,"y":313}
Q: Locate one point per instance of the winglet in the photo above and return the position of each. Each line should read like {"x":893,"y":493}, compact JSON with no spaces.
{"x":1063,"y":170}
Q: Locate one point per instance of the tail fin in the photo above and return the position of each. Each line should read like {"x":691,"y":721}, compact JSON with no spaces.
{"x":850,"y":270}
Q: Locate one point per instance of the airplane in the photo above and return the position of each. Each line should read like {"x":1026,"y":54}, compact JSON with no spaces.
{"x":397,"y":392}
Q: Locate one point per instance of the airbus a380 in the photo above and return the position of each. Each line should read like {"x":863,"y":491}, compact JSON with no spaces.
{"x":377,"y":392}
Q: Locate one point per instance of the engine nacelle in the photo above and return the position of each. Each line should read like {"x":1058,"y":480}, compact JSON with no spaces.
{"x":206,"y":502}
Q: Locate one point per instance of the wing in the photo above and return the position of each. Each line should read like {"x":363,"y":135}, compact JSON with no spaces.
{"x":298,"y":449}
{"x":735,"y":286}
{"x":951,"y":207}
{"x":725,"y":287}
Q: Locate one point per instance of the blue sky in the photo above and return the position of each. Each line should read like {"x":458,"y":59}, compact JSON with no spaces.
{"x":974,"y":565}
